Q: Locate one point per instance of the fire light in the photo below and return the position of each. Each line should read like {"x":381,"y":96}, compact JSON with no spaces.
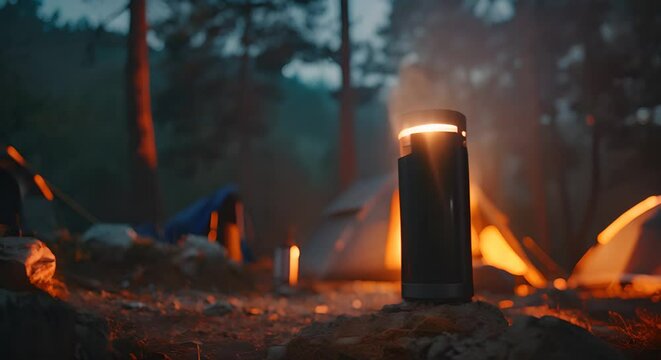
{"x":435,"y":208}
{"x":43,"y":187}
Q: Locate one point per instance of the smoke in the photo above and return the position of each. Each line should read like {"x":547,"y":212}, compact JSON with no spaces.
{"x":415,"y":90}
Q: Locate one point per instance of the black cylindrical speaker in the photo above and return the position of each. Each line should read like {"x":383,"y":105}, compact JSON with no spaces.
{"x":435,"y":207}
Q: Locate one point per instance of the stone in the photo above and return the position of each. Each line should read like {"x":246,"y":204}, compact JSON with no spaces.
{"x":119,"y":236}
{"x":474,"y":330}
{"x":219,"y":308}
{"x":25,"y":263}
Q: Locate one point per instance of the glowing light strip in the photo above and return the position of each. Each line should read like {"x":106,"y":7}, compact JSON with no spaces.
{"x":427,"y":128}
{"x":43,"y":187}
{"x":627,"y":217}
{"x":14,"y":154}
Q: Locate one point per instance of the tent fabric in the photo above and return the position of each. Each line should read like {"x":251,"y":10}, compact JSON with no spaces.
{"x":351,"y":241}
{"x":195,"y":218}
{"x":632,"y":251}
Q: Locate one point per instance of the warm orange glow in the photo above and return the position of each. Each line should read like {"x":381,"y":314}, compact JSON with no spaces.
{"x":623,"y":220}
{"x":560,"y":284}
{"x":475,"y":243}
{"x":426,"y":128}
{"x":393,"y":258}
{"x":294,"y":255}
{"x":497,"y":252}
{"x":523,"y":290}
{"x":505,"y":304}
{"x":213,"y":227}
{"x":43,"y":187}
{"x":233,"y":242}
{"x":321,"y":309}
{"x":14,"y":154}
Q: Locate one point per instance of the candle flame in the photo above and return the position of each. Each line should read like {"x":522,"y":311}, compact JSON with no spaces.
{"x":294,"y":254}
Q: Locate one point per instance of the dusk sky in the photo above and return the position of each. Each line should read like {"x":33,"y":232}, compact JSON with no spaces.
{"x":367,"y":16}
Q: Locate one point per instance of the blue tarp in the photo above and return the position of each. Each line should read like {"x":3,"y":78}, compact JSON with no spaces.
{"x":195,"y":218}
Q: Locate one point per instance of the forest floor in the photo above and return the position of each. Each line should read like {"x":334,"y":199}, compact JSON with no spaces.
{"x":152,"y":311}
{"x":204,"y":324}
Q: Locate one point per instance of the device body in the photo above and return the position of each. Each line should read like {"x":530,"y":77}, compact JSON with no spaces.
{"x":435,"y":208}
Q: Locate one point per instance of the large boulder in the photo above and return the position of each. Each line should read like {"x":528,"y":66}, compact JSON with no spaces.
{"x":25,"y":263}
{"x":425,"y":331}
{"x":119,"y":236}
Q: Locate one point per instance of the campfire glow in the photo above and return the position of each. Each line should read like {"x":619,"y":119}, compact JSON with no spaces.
{"x":43,"y":187}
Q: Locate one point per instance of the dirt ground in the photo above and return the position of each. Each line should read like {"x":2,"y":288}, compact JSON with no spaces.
{"x":222,"y":311}
{"x":161,"y":324}
{"x":195,"y":324}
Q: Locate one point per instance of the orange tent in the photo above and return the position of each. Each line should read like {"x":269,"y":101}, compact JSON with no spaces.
{"x":359,"y":236}
{"x":627,"y":251}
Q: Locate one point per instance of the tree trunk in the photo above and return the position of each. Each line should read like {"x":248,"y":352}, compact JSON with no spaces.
{"x":142,"y":143}
{"x":347,"y":144}
{"x":531,"y":130}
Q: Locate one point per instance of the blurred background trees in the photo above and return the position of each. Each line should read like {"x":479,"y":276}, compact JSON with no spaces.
{"x":563,"y":100}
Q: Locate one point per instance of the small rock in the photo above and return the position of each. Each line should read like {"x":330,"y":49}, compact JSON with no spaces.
{"x":253,"y":311}
{"x":438,"y":347}
{"x":219,"y":308}
{"x":25,"y":263}
{"x":134,"y":305}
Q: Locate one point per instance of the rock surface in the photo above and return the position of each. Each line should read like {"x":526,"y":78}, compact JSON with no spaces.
{"x":37,"y":326}
{"x":25,"y":263}
{"x":469,"y":331}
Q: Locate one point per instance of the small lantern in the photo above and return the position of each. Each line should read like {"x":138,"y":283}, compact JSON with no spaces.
{"x":435,"y":207}
{"x":285,"y":265}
